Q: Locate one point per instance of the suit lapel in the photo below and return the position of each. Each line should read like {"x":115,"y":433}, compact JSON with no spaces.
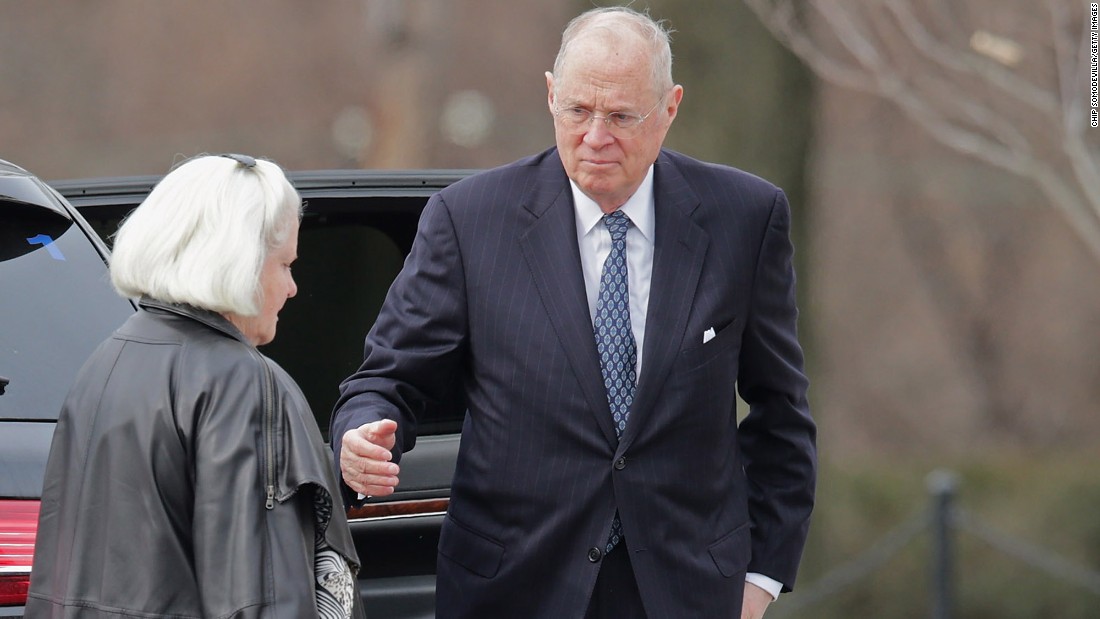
{"x":679,"y":248}
{"x":549,"y":246}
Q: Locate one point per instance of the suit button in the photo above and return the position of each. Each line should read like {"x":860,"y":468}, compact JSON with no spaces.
{"x":594,"y":554}
{"x":620,"y":464}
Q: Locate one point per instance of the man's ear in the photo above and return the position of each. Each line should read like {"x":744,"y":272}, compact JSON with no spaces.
{"x":675,"y":97}
{"x":550,"y":90}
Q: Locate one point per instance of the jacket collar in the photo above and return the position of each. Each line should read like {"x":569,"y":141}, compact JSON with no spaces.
{"x":212,"y":319}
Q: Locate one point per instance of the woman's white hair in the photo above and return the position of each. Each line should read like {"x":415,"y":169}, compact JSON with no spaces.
{"x":203,"y":233}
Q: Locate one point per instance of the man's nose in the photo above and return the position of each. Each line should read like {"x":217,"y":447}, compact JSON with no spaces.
{"x":599,"y":130}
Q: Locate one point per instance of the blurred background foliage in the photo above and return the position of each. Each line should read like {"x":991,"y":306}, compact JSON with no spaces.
{"x":948,"y":303}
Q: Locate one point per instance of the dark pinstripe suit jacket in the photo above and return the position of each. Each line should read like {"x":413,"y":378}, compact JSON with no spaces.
{"x":492,"y":296}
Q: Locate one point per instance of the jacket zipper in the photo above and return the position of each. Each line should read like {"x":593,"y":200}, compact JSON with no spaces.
{"x":269,"y":434}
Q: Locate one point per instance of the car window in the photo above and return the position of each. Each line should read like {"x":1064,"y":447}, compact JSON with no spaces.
{"x":350,"y":249}
{"x":57,"y":304}
{"x":343,"y":272}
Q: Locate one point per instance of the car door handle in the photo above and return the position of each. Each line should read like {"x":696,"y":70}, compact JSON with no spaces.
{"x":399,"y":509}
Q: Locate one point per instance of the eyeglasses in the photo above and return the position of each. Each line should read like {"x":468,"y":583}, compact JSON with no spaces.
{"x":619,"y":124}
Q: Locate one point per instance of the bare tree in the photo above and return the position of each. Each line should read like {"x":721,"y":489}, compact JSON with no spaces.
{"x":1010,"y":82}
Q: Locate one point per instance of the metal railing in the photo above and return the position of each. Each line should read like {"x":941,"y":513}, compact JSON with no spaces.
{"x":943,"y":519}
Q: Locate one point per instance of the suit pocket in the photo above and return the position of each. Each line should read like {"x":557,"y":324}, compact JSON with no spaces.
{"x":470,"y":549}
{"x":698,"y":356}
{"x":731,"y":553}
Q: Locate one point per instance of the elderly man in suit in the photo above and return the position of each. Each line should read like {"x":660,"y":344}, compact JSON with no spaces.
{"x":601,"y":304}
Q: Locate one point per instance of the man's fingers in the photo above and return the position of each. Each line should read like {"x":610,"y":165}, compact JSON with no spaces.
{"x":370,"y":477}
{"x":372,"y":440}
{"x":355,"y":444}
{"x":382,"y":432}
{"x":360,"y":457}
{"x":372,"y":485}
{"x":365,"y":458}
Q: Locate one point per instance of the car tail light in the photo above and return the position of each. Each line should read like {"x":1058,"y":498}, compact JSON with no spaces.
{"x":18,"y":527}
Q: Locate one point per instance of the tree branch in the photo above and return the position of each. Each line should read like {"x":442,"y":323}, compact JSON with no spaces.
{"x":950,"y":96}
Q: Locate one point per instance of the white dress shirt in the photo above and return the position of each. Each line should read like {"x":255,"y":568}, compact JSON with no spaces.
{"x":595,"y":244}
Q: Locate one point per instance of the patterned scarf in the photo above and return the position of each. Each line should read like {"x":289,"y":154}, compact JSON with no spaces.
{"x":335,"y":582}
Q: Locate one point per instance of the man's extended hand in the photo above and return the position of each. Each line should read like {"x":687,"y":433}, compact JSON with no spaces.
{"x":755,"y":602}
{"x":365,"y":458}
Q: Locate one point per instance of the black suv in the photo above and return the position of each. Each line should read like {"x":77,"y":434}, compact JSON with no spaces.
{"x":57,"y":304}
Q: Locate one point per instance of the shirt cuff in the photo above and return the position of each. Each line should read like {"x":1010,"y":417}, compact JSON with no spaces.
{"x":773,"y":587}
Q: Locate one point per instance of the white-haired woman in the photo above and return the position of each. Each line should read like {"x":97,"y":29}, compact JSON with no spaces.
{"x":187,"y":476}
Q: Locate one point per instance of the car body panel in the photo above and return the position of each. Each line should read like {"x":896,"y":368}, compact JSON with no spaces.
{"x":22,"y":467}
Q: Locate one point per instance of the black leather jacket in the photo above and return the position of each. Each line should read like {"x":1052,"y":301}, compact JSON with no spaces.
{"x":170,"y":491}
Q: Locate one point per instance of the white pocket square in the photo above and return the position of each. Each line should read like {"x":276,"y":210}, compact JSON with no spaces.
{"x":708,"y":335}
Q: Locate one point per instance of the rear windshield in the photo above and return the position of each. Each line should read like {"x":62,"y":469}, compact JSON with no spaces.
{"x":56,"y":304}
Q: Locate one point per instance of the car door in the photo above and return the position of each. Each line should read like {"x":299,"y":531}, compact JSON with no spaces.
{"x":357,"y":229}
{"x":56,"y":306}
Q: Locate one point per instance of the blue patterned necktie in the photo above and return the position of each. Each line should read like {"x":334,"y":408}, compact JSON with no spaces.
{"x":614,"y":339}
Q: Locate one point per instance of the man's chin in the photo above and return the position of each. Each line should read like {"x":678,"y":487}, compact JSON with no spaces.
{"x":596,"y":181}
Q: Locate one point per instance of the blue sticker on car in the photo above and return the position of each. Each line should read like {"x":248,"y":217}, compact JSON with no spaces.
{"x":47,"y":242}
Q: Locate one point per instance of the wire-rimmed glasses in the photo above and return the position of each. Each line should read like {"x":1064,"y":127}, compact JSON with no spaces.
{"x":576,"y":119}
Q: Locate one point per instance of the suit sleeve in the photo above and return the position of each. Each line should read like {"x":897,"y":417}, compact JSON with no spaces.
{"x":778,"y":437}
{"x":411,"y":355}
